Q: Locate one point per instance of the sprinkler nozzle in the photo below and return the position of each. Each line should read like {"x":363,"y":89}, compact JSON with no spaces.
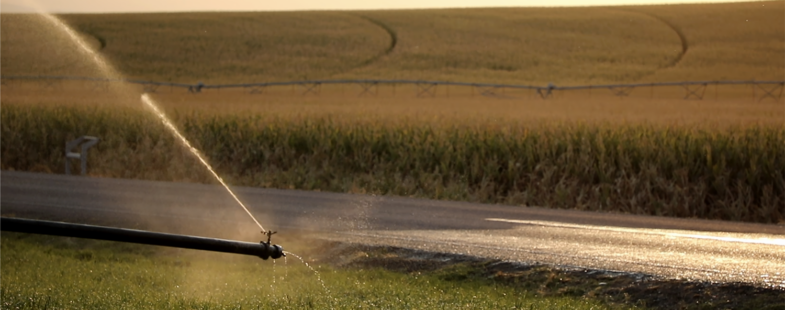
{"x":270,"y":250}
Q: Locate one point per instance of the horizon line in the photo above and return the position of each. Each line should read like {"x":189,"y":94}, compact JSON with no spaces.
{"x":15,"y":8}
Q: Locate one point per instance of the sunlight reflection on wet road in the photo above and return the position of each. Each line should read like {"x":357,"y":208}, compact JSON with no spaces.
{"x":675,"y":254}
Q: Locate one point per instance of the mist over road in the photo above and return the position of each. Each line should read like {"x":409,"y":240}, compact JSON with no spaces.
{"x":673,"y":248}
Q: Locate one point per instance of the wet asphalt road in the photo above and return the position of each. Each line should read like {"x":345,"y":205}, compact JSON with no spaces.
{"x":672,"y":248}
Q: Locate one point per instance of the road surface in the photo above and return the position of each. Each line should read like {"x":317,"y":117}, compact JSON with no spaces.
{"x":672,"y":248}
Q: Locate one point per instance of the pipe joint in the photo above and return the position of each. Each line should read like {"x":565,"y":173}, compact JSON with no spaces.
{"x":269,"y":250}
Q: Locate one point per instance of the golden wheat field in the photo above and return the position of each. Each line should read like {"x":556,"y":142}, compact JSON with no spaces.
{"x":565,"y":46}
{"x":651,"y":152}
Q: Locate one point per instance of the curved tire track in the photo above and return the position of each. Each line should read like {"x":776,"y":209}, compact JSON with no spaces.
{"x":390,"y":32}
{"x":685,"y":46}
{"x":88,"y":32}
{"x":390,"y":48}
{"x":100,"y":40}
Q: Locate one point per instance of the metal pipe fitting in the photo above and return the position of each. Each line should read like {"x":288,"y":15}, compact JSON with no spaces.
{"x":264,"y":250}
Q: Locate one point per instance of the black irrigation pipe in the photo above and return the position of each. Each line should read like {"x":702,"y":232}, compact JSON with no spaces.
{"x":264,"y":250}
{"x":371,"y":81}
{"x":426,"y":82}
{"x":672,"y":84}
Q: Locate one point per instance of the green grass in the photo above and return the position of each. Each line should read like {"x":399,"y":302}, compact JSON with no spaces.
{"x":731,"y":174}
{"x":509,"y":45}
{"x":62,"y":273}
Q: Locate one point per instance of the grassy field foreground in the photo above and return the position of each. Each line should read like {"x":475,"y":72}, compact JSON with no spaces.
{"x":736,"y":173}
{"x":41,"y":272}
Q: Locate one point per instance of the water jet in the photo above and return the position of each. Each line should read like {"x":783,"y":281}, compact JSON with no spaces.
{"x":109,"y":71}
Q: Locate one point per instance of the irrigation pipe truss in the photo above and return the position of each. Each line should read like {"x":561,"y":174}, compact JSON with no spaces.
{"x":425,"y":88}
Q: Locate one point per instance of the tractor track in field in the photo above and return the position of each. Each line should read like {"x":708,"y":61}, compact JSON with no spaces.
{"x":101,"y":40}
{"x":390,"y":47}
{"x":685,"y":46}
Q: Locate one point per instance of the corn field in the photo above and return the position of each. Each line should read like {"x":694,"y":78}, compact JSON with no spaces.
{"x":730,"y":173}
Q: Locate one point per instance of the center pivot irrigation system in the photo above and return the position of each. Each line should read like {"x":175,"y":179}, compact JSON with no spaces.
{"x":262,"y":249}
{"x":694,"y":90}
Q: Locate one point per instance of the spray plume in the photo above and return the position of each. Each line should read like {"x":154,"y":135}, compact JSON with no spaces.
{"x":111,"y":72}
{"x":149,"y":102}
